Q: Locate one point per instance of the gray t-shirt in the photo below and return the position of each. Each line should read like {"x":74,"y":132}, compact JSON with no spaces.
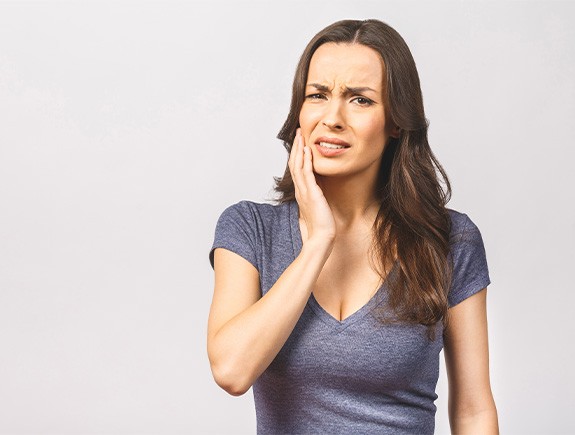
{"x":352,"y":376}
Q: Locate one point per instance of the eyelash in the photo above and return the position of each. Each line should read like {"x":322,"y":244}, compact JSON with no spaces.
{"x":313,"y":96}
{"x":367,"y":101}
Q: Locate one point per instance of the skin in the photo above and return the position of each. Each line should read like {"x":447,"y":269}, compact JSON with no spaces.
{"x":337,"y":202}
{"x":344,"y":100}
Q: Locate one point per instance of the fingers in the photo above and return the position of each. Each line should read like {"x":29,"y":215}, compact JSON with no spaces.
{"x":313,"y":205}
{"x":293,"y":152}
{"x":302,"y":165}
{"x":307,"y":170}
{"x":307,"y":174}
{"x":296,"y":160}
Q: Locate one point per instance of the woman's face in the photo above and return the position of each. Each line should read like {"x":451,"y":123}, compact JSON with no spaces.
{"x":343,"y":119}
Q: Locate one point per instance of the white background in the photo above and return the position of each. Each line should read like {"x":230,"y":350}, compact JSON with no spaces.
{"x":125,"y":130}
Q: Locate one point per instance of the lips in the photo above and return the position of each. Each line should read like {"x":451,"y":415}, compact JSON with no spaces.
{"x":331,"y":146}
{"x":331,"y":143}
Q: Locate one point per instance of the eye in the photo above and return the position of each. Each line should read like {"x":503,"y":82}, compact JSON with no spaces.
{"x":315,"y":97}
{"x":362,"y":101}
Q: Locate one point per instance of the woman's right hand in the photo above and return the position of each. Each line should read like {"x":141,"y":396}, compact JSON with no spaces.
{"x":246,"y":330}
{"x":313,"y":205}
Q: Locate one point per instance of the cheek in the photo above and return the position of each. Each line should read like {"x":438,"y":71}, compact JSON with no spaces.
{"x":373,"y":129}
{"x":307,"y":121}
{"x":304,"y":117}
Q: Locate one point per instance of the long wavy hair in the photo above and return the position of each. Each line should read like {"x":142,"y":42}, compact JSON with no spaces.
{"x":413,"y":224}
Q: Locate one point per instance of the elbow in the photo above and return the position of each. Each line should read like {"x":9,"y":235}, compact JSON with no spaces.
{"x":478,"y":417}
{"x":230,"y":380}
{"x":234,"y":390}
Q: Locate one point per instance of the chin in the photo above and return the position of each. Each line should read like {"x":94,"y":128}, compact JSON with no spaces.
{"x":339,"y":169}
{"x":329,"y":170}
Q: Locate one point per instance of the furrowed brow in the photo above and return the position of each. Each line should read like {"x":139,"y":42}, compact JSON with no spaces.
{"x":358,"y":90}
{"x":321,"y":88}
{"x":348,"y":90}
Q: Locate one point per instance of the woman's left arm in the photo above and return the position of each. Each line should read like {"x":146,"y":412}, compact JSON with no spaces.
{"x":471,"y":405}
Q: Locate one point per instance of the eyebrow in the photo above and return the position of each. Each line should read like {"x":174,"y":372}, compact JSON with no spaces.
{"x":348,"y":90}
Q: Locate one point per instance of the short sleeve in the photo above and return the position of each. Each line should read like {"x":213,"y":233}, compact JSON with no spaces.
{"x":236,"y":232}
{"x":470,"y":271}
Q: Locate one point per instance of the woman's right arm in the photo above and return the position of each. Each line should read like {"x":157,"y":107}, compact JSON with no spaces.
{"x":246,"y":331}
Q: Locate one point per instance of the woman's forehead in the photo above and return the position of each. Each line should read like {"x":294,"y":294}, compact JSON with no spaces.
{"x":346,"y":65}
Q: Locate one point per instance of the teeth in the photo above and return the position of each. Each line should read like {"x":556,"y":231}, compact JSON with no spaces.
{"x":330,"y":145}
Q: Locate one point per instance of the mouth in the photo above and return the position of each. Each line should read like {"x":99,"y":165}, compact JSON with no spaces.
{"x":331,"y":146}
{"x":331,"y":143}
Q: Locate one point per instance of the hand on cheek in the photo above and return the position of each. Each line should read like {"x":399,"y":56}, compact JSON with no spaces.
{"x":311,"y":201}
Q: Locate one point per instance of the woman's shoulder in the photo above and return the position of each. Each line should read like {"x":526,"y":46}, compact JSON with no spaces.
{"x":246,"y":226}
{"x":257,"y":214}
{"x":470,"y":270}
{"x":260,"y":209}
{"x":462,"y":227}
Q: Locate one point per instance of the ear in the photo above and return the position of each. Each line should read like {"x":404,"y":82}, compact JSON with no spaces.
{"x":395,"y":131}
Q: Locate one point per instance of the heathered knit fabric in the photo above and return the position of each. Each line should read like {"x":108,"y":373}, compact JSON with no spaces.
{"x":356,"y":376}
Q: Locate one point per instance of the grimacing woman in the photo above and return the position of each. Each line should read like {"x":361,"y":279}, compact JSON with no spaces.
{"x":334,"y":302}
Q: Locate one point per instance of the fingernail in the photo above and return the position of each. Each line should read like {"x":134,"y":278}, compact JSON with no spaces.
{"x":305,"y":149}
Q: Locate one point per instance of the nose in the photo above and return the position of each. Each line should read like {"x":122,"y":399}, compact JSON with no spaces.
{"x":333,"y":117}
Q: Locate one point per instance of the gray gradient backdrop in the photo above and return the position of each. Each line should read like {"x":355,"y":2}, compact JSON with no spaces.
{"x":127,"y":127}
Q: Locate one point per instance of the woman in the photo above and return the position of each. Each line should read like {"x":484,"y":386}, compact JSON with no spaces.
{"x":335,"y":303}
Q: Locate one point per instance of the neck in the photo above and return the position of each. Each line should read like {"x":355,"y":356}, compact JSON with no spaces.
{"x":352,"y":202}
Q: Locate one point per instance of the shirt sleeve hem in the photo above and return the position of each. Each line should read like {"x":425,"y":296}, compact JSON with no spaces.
{"x":475,"y":287}
{"x":236,"y":250}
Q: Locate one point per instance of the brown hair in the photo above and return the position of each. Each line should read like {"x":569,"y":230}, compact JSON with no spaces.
{"x":413,"y":223}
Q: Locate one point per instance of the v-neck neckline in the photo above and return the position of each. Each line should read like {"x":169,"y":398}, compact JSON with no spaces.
{"x":379,"y":296}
